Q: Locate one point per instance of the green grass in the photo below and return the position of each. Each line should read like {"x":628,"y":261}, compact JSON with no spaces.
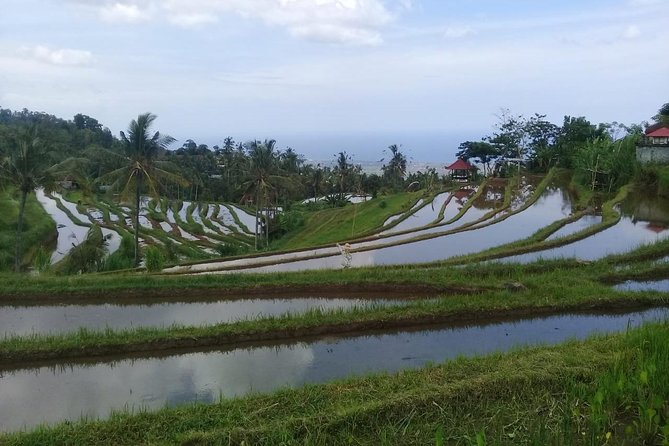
{"x":349,"y":222}
{"x":551,"y":287}
{"x":605,"y":390}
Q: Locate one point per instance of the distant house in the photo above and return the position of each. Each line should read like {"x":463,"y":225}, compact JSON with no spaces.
{"x":69,"y":183}
{"x":461,"y":170}
{"x":653,"y":147}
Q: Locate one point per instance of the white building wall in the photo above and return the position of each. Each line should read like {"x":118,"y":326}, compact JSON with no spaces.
{"x":650,"y":154}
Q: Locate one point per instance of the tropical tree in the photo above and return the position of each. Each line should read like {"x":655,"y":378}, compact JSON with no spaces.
{"x":662,"y":115}
{"x":264,"y":176}
{"x":482,"y":152}
{"x":342,"y":171}
{"x":396,"y":168}
{"x":141,"y":169}
{"x":25,"y":165}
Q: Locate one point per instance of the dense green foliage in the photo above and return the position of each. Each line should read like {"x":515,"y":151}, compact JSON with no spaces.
{"x":38,"y":228}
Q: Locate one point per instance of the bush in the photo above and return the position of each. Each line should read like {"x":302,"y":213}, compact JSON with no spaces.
{"x":230,"y":249}
{"x":42,"y":260}
{"x":123,"y":258}
{"x":155,"y":260}
{"x":85,"y":257}
{"x":170,"y":251}
{"x":383,"y":204}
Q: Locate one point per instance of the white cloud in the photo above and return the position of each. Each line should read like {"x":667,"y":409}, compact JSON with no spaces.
{"x":124,"y":12}
{"x":336,"y":21}
{"x":646,"y":2}
{"x":458,"y":32}
{"x":632,"y":32}
{"x":63,"y":56}
{"x":336,"y":34}
{"x":193,"y":19}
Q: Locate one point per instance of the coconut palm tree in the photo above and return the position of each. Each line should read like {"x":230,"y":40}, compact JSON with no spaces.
{"x":264,"y":176}
{"x":25,"y":166}
{"x":396,"y":168}
{"x":140,"y":169}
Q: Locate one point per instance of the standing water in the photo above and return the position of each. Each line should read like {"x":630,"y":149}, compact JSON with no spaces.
{"x":68,"y":391}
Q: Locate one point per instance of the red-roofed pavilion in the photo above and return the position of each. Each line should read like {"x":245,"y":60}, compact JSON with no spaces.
{"x":653,"y":147}
{"x":460,"y":170}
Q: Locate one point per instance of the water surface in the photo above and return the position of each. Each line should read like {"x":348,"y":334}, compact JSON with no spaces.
{"x":69,"y":233}
{"x":49,"y":394}
{"x":650,"y":285}
{"x":18,"y":320}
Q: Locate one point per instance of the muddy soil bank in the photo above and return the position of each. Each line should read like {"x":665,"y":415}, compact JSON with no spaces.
{"x":211,"y":292}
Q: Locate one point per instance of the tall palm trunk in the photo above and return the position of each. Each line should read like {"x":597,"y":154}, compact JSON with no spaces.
{"x":19,"y":231}
{"x":138,"y":187}
{"x":257,"y":217}
{"x":267,"y":221}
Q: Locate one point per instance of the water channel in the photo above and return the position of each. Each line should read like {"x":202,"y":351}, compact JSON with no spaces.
{"x":68,"y":391}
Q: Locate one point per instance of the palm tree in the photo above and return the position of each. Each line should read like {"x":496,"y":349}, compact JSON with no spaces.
{"x":342,"y":170}
{"x":264,"y":176}
{"x":25,"y":166}
{"x":396,"y":168}
{"x":140,"y":167}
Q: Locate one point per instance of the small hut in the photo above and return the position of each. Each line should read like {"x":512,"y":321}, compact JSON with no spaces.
{"x":461,"y":170}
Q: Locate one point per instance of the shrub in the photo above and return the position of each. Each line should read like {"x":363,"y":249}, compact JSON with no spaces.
{"x":155,"y":260}
{"x":230,"y":249}
{"x":42,"y":260}
{"x":123,"y":258}
{"x":85,"y":257}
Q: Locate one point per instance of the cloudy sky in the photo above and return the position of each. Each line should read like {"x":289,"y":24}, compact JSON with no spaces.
{"x":334,"y":69}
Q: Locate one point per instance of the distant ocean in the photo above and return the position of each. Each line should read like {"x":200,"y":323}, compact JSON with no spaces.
{"x":422,"y":149}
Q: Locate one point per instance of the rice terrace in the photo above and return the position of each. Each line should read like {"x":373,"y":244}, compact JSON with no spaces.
{"x":501,"y":286}
{"x":378,"y":310}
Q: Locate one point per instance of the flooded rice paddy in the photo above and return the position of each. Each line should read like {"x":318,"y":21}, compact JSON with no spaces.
{"x":52,"y":319}
{"x":68,"y":391}
{"x":69,"y":233}
{"x":422,"y":236}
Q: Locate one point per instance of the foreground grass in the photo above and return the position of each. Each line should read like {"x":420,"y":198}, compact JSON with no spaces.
{"x":606,"y":390}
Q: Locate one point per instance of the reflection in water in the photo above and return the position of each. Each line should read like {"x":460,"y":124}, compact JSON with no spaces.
{"x":49,"y":394}
{"x":248,"y":220}
{"x":553,"y":205}
{"x":571,"y":228}
{"x":17,"y":320}
{"x":623,"y":237}
{"x":655,"y":285}
{"x":423,"y":216}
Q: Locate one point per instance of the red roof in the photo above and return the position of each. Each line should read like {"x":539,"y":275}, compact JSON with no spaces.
{"x":460,"y":165}
{"x":661,"y":132}
{"x":655,"y":228}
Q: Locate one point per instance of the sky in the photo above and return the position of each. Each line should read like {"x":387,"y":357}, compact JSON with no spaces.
{"x":329,"y":75}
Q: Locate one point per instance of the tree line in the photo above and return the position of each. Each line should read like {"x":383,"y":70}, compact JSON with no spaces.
{"x":602,"y":155}
{"x":37,"y":150}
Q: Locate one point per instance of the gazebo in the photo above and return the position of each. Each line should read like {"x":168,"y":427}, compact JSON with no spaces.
{"x":460,"y":170}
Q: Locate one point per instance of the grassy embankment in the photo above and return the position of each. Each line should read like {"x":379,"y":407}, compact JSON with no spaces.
{"x":39,"y":229}
{"x":606,"y":390}
{"x":352,"y":221}
{"x":470,"y":294}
